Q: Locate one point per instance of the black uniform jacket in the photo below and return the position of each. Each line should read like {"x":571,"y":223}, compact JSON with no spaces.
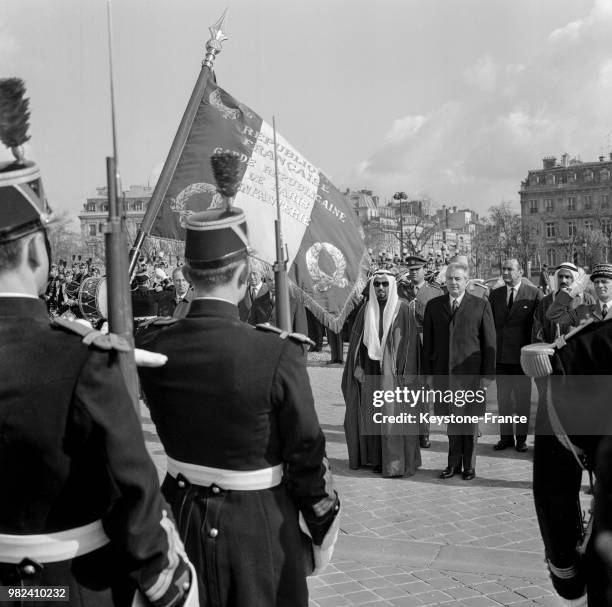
{"x":72,"y":451}
{"x":234,"y":397}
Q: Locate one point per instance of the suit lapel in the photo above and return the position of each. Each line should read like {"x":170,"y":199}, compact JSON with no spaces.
{"x":517,"y":296}
{"x":502,"y":297}
{"x":462,"y":306}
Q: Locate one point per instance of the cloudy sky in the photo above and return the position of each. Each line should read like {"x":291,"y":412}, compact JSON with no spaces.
{"x":456,"y":99}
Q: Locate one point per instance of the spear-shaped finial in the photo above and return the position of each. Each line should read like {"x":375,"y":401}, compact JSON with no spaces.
{"x":217,"y":38}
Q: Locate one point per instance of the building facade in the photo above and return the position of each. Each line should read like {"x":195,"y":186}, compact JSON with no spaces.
{"x":406,"y":227}
{"x":94,"y":215}
{"x":564,"y":204}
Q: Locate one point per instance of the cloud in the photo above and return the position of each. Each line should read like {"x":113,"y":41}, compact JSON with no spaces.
{"x":483,"y":74}
{"x":405,"y":128}
{"x":474,"y":149}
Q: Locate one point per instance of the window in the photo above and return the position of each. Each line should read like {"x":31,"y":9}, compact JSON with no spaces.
{"x":605,"y":201}
{"x":588,"y":201}
{"x":138,"y":205}
{"x":588,"y":175}
{"x":550,"y":179}
{"x":533,"y":206}
{"x":588,"y":224}
{"x":100,"y":228}
{"x":571,"y":177}
{"x":92,"y":229}
{"x":533,"y":180}
{"x":604,"y":175}
{"x":551,"y":257}
{"x":606,"y":226}
{"x":571,"y":203}
{"x":571,"y":228}
{"x":548,"y":205}
{"x":105,"y":207}
{"x":550,"y":230}
{"x":91,"y":207}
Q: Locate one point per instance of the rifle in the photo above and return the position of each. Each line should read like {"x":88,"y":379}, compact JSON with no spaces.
{"x":120,"y":318}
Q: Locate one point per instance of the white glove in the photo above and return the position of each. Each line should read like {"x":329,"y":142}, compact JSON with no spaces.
{"x":144,"y":358}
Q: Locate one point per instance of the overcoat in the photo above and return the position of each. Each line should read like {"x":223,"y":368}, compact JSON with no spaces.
{"x":459,"y":350}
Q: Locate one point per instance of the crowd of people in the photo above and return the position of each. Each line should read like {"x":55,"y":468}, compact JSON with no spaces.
{"x":424,"y":336}
{"x":247,"y":509}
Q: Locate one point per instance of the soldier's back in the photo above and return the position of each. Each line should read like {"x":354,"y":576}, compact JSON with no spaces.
{"x":224,"y":379}
{"x":43,"y":426}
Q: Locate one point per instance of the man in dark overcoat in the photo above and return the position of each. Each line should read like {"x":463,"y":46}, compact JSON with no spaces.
{"x":459,"y":354}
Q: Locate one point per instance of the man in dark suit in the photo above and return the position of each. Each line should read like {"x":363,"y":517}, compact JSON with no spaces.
{"x":176,"y":301}
{"x":256,"y":306}
{"x":234,"y":410}
{"x":459,"y":354}
{"x":513,"y":307}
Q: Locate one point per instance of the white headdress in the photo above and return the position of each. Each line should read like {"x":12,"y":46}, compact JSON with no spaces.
{"x":371,"y":340}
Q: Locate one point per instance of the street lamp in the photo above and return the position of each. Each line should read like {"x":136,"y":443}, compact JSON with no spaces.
{"x":401,"y":197}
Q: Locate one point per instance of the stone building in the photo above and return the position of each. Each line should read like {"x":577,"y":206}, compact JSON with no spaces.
{"x":407,"y":226}
{"x":95,"y":213}
{"x":562,"y":202}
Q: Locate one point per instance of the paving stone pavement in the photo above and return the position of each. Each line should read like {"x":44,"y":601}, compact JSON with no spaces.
{"x":422,"y":540}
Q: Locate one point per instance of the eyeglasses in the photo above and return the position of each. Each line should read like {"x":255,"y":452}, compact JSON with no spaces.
{"x":381,"y":284}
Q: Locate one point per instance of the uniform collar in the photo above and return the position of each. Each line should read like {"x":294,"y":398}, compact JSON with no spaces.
{"x":23,"y":306}
{"x":207,"y":306}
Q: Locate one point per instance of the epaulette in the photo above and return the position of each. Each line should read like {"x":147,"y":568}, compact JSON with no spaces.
{"x":104,"y":341}
{"x":159,"y":321}
{"x":562,"y":340}
{"x":297,"y":337}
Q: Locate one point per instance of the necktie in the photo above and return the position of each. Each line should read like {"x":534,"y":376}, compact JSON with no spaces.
{"x":604,"y":311}
{"x":511,"y":298}
{"x":455,"y":306}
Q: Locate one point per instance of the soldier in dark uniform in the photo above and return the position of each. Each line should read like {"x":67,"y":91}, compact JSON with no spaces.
{"x":80,"y":502}
{"x":568,"y":434}
{"x":419,"y":293}
{"x":234,"y":410}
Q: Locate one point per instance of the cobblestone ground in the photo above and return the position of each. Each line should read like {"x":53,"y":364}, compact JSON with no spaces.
{"x":422,"y":540}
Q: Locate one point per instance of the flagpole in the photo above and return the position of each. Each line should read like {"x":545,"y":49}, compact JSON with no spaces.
{"x":120,"y":319}
{"x":213,"y":48}
{"x":281,"y":285}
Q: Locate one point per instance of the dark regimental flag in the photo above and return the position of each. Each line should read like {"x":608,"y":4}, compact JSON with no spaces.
{"x":326,"y":250}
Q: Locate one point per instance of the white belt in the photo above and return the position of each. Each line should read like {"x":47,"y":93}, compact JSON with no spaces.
{"x":53,"y":547}
{"x":237,"y":480}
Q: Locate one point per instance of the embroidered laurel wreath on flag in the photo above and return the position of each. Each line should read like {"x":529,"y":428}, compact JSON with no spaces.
{"x":327,"y":255}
